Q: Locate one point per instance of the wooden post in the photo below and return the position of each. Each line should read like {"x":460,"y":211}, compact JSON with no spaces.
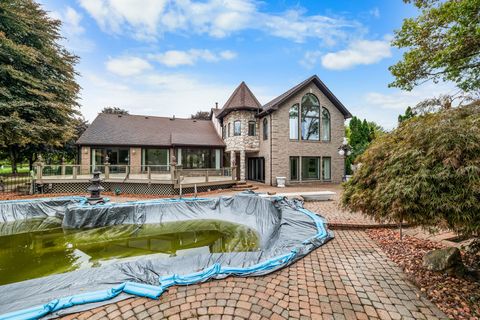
{"x":206,"y":176}
{"x":63,"y":170}
{"x":74,"y":173}
{"x":149,"y":174}
{"x":234,"y":173}
{"x":107,"y":170}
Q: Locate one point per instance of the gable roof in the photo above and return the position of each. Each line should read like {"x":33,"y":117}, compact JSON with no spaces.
{"x":275,"y":103}
{"x":241,"y":99}
{"x":136,"y":130}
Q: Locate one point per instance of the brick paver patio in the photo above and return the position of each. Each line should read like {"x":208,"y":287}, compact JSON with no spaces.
{"x":348,"y":278}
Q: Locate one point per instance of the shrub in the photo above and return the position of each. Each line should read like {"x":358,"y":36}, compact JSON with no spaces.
{"x":425,"y":172}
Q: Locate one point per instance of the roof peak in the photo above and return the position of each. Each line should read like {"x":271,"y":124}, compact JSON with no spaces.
{"x":242,"y":98}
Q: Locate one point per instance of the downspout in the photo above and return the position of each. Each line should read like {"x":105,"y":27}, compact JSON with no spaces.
{"x":271,"y":146}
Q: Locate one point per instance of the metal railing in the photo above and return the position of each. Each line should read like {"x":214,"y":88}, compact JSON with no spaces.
{"x":169,"y":173}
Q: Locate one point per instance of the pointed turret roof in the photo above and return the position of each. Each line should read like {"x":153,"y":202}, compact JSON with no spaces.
{"x":241,"y":99}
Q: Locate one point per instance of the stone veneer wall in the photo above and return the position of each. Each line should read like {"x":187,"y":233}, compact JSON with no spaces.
{"x":244,"y":141}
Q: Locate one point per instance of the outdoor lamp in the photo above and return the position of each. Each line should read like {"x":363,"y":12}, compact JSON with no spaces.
{"x":345,"y":148}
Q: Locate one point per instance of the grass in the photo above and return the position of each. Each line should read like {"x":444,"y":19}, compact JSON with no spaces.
{"x":8,"y":169}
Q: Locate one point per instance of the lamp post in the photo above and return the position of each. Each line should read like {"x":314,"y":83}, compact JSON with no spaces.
{"x":345,"y":150}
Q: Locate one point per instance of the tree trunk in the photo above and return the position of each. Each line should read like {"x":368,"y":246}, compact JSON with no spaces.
{"x":13,"y":159}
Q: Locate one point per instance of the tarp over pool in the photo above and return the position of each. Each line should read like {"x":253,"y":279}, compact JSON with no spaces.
{"x":286,"y":230}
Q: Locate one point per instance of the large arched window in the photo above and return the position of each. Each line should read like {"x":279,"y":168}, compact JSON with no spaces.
{"x":294,"y":122}
{"x":325,"y":125}
{"x":310,"y":117}
{"x":265,"y":128}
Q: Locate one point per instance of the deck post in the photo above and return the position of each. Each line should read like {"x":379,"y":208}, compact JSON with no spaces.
{"x":62,"y":170}
{"x":206,"y":175}
{"x":107,"y":167}
{"x":234,"y":173}
{"x":149,"y":174}
{"x":74,"y":173}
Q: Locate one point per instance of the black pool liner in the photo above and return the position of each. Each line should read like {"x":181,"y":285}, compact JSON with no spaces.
{"x":286,"y":230}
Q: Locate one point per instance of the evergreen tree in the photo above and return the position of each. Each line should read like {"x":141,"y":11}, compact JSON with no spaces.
{"x":114,"y":110}
{"x":38,"y":92}
{"x":409,"y":113}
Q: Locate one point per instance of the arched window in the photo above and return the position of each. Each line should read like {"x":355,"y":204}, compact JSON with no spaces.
{"x":325,"y":125}
{"x":265,"y":128}
{"x":310,"y":117}
{"x":294,"y":122}
{"x":237,"y":128}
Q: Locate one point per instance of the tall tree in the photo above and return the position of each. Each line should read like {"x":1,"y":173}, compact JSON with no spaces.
{"x":201,"y":115}
{"x":425,"y":172}
{"x":38,"y":92}
{"x":409,"y":113}
{"x":360,"y":134}
{"x":443,"y":43}
{"x":114,"y":110}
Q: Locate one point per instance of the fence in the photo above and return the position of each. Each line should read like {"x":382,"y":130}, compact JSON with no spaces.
{"x":20,"y":183}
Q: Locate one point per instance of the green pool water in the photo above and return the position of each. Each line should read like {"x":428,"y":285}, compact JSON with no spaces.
{"x":39,"y":247}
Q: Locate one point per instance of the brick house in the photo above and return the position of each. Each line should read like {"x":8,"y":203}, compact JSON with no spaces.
{"x":296,"y":136}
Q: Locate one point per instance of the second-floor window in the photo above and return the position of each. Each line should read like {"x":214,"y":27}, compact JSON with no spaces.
{"x":251,"y":128}
{"x":310,"y":117}
{"x":229,"y":129}
{"x":325,"y":125}
{"x":265,"y":129}
{"x":294,"y":122}
{"x":237,"y":128}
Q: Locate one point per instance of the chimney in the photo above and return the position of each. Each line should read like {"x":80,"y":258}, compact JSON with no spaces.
{"x":216,"y":105}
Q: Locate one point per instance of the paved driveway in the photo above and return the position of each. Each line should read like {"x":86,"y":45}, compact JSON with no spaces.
{"x":348,"y":278}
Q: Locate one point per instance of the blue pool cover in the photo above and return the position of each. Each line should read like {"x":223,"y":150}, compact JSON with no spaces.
{"x":286,"y":230}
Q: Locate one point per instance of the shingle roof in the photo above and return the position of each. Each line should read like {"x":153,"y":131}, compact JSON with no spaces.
{"x":136,"y":130}
{"x":274,"y":104}
{"x":241,"y":99}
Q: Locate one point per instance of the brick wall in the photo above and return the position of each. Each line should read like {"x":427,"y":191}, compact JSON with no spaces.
{"x":283,"y":147}
{"x":85,"y":160}
{"x":135,"y":159}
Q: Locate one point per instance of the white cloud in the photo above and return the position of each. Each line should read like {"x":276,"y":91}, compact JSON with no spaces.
{"x":127,"y":66}
{"x":217,"y":18}
{"x":358,"y":52}
{"x":310,"y":59}
{"x":72,"y":30}
{"x":400,"y":100}
{"x":161,"y":94}
{"x":175,"y":58}
{"x":375,"y":12}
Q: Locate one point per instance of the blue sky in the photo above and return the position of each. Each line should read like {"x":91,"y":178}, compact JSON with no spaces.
{"x":162,"y":57}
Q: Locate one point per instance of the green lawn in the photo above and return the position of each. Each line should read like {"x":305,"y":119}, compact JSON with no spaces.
{"x":8,"y":169}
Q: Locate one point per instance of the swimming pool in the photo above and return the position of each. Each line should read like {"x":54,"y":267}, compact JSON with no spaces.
{"x":258,"y":236}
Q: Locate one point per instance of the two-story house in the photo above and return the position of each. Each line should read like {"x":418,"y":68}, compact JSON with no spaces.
{"x":296,"y":136}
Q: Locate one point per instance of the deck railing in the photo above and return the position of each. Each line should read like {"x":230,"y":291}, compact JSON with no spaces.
{"x":165,"y":173}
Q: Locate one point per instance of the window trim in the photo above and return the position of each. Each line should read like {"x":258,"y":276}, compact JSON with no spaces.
{"x":297,"y":168}
{"x":329,"y":126}
{"x":319,"y":169}
{"x":301,"y":117}
{"x":297,"y":105}
{"x":265,"y":128}
{"x":254,"y":123}
{"x":235,"y":133}
{"x":330,"y":167}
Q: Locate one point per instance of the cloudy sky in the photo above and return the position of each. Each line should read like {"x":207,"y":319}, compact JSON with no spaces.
{"x":162,"y":57}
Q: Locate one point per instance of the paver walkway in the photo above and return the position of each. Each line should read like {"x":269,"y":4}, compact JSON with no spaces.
{"x":348,"y":278}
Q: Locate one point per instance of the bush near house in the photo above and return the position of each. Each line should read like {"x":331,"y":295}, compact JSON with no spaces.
{"x":426,"y":172}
